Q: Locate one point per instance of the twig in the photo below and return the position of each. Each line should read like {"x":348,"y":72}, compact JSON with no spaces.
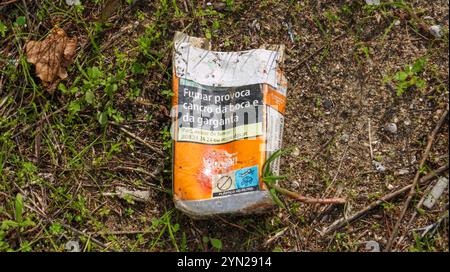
{"x":317,"y":51}
{"x":118,"y":232}
{"x":416,"y":179}
{"x":95,"y":241}
{"x":39,"y":121}
{"x":139,"y":139}
{"x":7,"y":3}
{"x":323,"y":146}
{"x":140,"y":170}
{"x":305,"y":199}
{"x":345,"y":220}
{"x":234,"y":225}
{"x":370,"y":142}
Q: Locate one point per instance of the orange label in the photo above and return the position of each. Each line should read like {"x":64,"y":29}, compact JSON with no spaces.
{"x":219,"y":134}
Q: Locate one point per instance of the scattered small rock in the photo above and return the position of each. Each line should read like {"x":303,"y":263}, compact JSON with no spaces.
{"x":72,"y":246}
{"x":345,"y":137}
{"x":136,"y":195}
{"x":372,"y":246}
{"x":327,"y":104}
{"x":436,"y":192}
{"x":391,"y":128}
{"x":296,"y":152}
{"x":361,"y":197}
{"x":73,"y":2}
{"x":295,"y":184}
{"x":378,"y":166}
{"x":373,"y":2}
{"x":407,"y":122}
{"x":377,"y":216}
{"x":401,"y":172}
{"x":390,"y":186}
{"x":436,"y":31}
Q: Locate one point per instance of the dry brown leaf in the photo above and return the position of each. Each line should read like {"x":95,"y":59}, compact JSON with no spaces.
{"x":52,"y":56}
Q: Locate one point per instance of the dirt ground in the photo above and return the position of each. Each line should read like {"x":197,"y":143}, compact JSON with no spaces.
{"x":65,"y":151}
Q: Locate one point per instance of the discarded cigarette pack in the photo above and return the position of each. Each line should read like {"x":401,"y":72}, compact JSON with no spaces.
{"x":227,"y":119}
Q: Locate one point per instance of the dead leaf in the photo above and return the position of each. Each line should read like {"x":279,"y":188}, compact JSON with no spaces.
{"x":52,"y":56}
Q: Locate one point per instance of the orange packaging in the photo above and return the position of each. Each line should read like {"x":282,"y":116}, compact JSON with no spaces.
{"x":227,"y":118}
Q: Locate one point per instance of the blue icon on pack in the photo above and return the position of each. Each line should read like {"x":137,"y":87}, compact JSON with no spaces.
{"x":247,"y":177}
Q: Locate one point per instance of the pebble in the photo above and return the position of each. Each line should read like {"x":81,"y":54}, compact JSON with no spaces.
{"x":407,"y":122}
{"x":72,"y":246}
{"x":327,"y":104}
{"x":345,"y":137}
{"x":401,"y":172}
{"x":295,"y":184}
{"x":378,"y":166}
{"x":436,"y":192}
{"x":436,"y":31}
{"x":296,"y":152}
{"x":391,"y":128}
{"x":373,"y":2}
{"x":73,"y":2}
{"x":372,"y":246}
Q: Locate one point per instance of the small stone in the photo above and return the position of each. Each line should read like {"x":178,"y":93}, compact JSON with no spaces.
{"x":361,"y":197}
{"x":390,"y":186}
{"x":378,"y":166}
{"x":401,"y":172}
{"x":72,"y":246}
{"x":372,"y":246}
{"x":327,"y":104}
{"x":377,"y":216}
{"x":373,"y":2}
{"x":436,"y":192}
{"x":407,"y":122}
{"x":73,"y":2}
{"x":397,"y":22}
{"x":345,"y":137}
{"x":436,"y":31}
{"x":296,"y":152}
{"x":391,"y":128}
{"x":295,"y":184}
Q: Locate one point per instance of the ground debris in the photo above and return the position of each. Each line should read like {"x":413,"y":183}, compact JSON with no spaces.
{"x":52,"y":56}
{"x":436,"y":31}
{"x":373,"y":2}
{"x":436,"y":192}
{"x":72,"y":246}
{"x":372,"y":246}
{"x":73,"y":2}
{"x":136,"y":195}
{"x":378,"y":166}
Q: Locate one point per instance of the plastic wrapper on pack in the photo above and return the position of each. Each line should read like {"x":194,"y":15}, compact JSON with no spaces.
{"x":227,"y":119}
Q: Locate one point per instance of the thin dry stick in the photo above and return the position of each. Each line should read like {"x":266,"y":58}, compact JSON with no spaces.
{"x":345,"y":220}
{"x":117,"y":232}
{"x":95,"y":241}
{"x":234,"y":225}
{"x":25,"y":129}
{"x":305,"y":199}
{"x":318,"y":50}
{"x":416,"y":179}
{"x":142,"y":141}
{"x":370,"y":142}
{"x":7,"y":3}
